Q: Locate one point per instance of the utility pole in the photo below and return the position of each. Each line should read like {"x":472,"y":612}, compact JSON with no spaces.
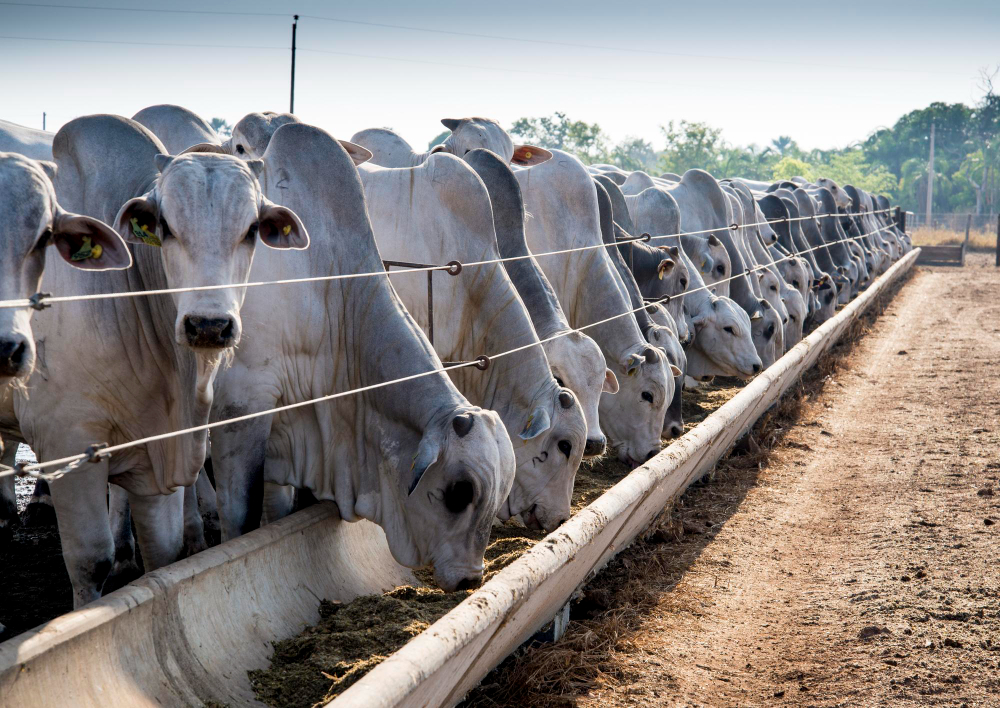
{"x":930,"y":182}
{"x":43,"y":120}
{"x":291,"y":102}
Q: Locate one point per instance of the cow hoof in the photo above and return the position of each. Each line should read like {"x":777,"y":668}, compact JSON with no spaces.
{"x":38,"y":515}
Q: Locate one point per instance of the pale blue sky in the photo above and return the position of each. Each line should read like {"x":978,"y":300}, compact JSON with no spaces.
{"x":824,"y":73}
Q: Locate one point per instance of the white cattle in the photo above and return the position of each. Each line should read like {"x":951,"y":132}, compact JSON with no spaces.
{"x":177,"y":127}
{"x":440,"y":211}
{"x":560,"y":196}
{"x":575,"y":358}
{"x":30,"y":142}
{"x":390,"y":150}
{"x":414,"y":457}
{"x":32,"y":221}
{"x":150,"y":361}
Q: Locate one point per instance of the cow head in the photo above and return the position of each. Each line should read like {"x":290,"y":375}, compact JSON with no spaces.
{"x":33,"y":221}
{"x":722,"y":336}
{"x":468,"y":134}
{"x":449,"y":493}
{"x":633,"y":418}
{"x":578,"y":364}
{"x":206,"y":214}
{"x":550,"y":447}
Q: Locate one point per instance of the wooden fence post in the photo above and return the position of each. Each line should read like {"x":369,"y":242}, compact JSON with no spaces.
{"x":998,"y":240}
{"x":965,"y":246}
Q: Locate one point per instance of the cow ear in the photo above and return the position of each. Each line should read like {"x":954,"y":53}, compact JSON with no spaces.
{"x":450,"y":123}
{"x":674,"y":371}
{"x":49,"y":168}
{"x":632,"y":365}
{"x":666,"y":265}
{"x":136,"y":221}
{"x":426,"y":455}
{"x":538,"y":423}
{"x":527,"y":155}
{"x":162,"y":162}
{"x":280,"y":227}
{"x":357,"y":153}
{"x":610,"y":382}
{"x":89,"y":244}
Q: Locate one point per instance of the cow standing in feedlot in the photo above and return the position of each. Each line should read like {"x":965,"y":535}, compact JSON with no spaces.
{"x":33,"y":221}
{"x":151,"y":361}
{"x":416,"y":457}
{"x":440,"y":211}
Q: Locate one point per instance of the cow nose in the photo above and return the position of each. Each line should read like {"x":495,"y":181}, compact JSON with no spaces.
{"x":650,"y":455}
{"x":675,"y":431}
{"x":12,"y":352}
{"x":756,"y":368}
{"x":209,"y":332}
{"x":469,"y":583}
{"x":595,"y":447}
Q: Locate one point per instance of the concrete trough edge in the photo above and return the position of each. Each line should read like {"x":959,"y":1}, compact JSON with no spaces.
{"x":443,"y":663}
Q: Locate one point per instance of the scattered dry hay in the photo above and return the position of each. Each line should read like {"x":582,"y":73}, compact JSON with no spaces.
{"x":351,"y":639}
{"x":607,"y":616}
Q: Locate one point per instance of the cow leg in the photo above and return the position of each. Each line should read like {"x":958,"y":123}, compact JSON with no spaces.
{"x":238,"y":458}
{"x":159,"y":524}
{"x":208,"y":506}
{"x":279,"y":501}
{"x":81,"y":506}
{"x":120,"y":521}
{"x":194,"y":527}
{"x":39,"y":511}
{"x":8,"y":498}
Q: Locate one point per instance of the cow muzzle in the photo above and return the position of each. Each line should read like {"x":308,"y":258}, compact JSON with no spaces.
{"x":212,"y":333}
{"x":595,"y":446}
{"x":15,"y":356}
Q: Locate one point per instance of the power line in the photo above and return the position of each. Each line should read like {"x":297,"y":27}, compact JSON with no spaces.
{"x":496,"y":37}
{"x":141,"y":44}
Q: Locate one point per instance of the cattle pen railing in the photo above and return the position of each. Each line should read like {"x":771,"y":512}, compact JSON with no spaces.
{"x":187,"y":634}
{"x":101,"y":450}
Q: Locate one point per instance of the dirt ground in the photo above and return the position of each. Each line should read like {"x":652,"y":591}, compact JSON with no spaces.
{"x":856,"y":566}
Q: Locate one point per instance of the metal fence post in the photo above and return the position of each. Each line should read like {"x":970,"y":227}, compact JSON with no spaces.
{"x":998,"y":240}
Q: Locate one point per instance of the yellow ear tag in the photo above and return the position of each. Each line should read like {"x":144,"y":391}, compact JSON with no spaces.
{"x":287,"y":230}
{"x":98,"y":250}
{"x":660,"y":274}
{"x":85,"y":251}
{"x":527,"y":154}
{"x":145,"y":235}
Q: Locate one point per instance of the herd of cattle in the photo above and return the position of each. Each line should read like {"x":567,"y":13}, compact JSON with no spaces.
{"x":591,"y":307}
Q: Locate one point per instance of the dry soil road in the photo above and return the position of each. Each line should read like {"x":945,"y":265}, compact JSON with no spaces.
{"x":859,"y":566}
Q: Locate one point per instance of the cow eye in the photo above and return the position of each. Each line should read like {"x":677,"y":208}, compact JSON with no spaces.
{"x":770,"y":332}
{"x":684,"y":282}
{"x":164,"y":228}
{"x":560,"y":382}
{"x":795,"y":284}
{"x":774,"y":288}
{"x":252,"y":232}
{"x":720,"y":269}
{"x":239,"y":149}
{"x":44,"y":240}
{"x":565,"y":447}
{"x":458,"y":495}
{"x":647,"y":396}
{"x":730,"y":330}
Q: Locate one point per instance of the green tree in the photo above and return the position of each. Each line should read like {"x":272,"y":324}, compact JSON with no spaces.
{"x":220,"y":126}
{"x":440,"y":138}
{"x":788,"y":167}
{"x":585,"y":140}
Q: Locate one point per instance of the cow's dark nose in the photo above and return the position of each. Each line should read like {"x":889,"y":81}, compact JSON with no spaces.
{"x":594,"y":447}
{"x":675,"y":431}
{"x":756,"y":368}
{"x":209,"y":332}
{"x":12,"y":355}
{"x":469,"y":583}
{"x":650,"y":455}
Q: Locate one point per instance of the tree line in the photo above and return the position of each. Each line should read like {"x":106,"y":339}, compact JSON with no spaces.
{"x":891,"y":161}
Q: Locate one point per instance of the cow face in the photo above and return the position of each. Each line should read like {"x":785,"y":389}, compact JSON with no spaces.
{"x":33,"y":221}
{"x":578,"y":364}
{"x":795,"y":306}
{"x":633,"y":418}
{"x":664,"y":339}
{"x":460,"y":475}
{"x":766,"y":333}
{"x":206,"y":214}
{"x":549,"y":449}
{"x":722,"y":336}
